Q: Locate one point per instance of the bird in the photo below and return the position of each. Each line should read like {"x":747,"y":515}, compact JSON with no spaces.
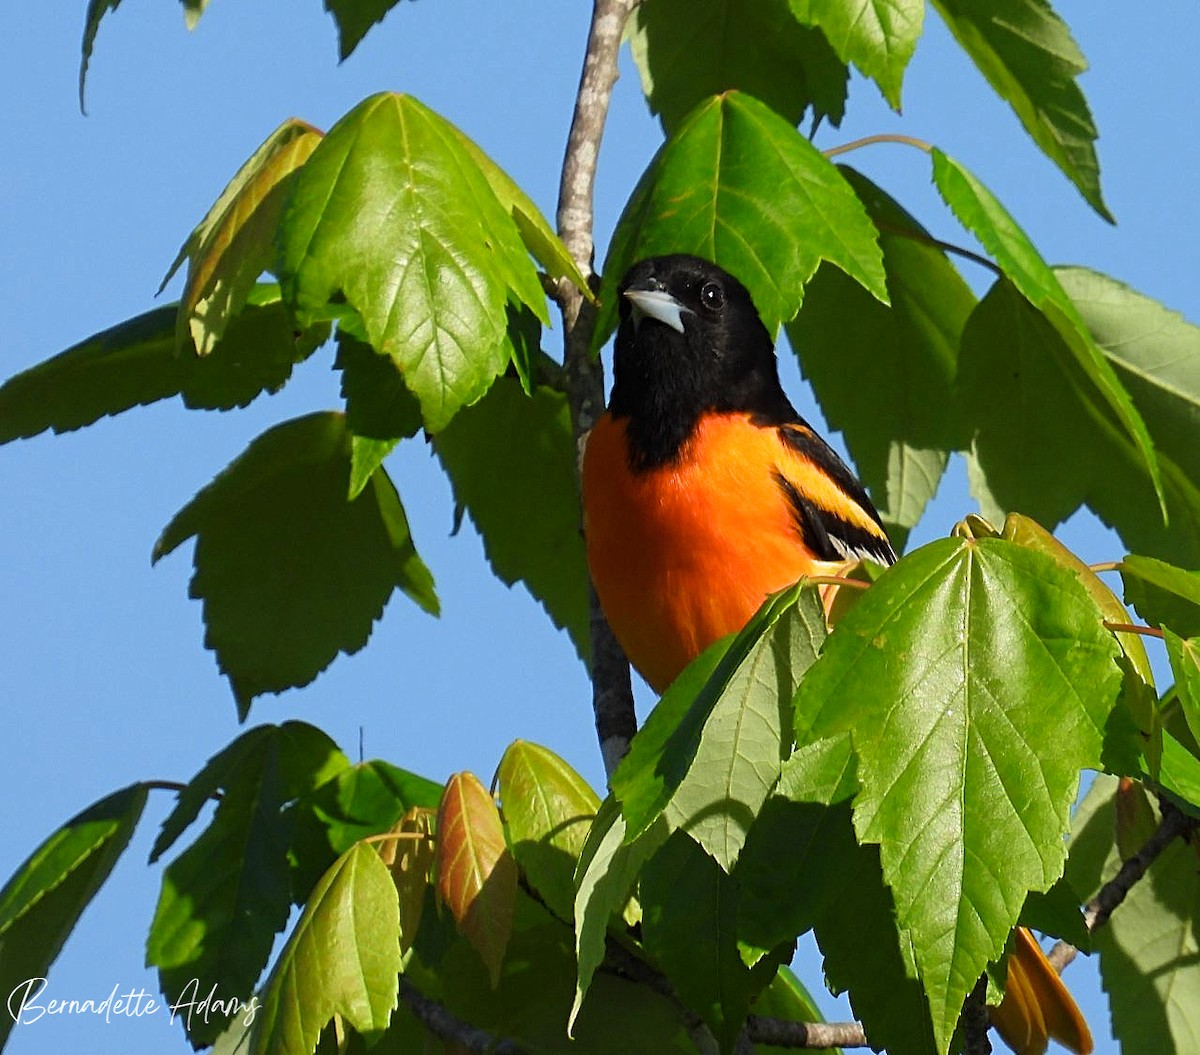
{"x":704,"y":491}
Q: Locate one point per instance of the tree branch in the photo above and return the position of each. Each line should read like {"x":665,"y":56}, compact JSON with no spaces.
{"x":1175,"y":824}
{"x":446,"y":1026}
{"x":782,"y":1033}
{"x":612,"y":694}
{"x":975,"y":1021}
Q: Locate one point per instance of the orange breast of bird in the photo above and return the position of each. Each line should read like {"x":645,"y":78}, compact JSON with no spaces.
{"x":683,"y":554}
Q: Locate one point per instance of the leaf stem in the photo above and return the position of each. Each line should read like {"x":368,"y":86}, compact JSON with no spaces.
{"x":937,"y":243}
{"x":838,"y":580}
{"x":1133,"y":628}
{"x":882,"y":137}
{"x":174,"y":785}
{"x":612,"y":692}
{"x":1108,"y":565}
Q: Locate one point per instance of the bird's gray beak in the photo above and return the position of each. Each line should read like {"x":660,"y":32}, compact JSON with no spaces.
{"x":656,"y":304}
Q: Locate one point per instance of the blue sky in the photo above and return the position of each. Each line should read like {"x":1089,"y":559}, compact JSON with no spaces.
{"x":103,"y":676}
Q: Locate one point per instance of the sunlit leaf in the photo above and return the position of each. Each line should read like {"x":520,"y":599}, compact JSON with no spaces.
{"x":343,"y":958}
{"x":289,"y":571}
{"x":539,"y":237}
{"x":231,"y":249}
{"x":687,"y":50}
{"x":476,"y":874}
{"x":548,"y":809}
{"x":1028,"y":56}
{"x":878,"y":36}
{"x":134,"y":363}
{"x":709,"y":768}
{"x":43,"y":900}
{"x":1006,"y":670}
{"x":770,"y":222}
{"x":392,"y":212}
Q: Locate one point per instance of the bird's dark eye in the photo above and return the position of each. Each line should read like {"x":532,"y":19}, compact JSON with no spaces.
{"x":712,"y":296}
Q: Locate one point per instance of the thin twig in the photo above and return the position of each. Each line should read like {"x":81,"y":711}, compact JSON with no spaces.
{"x":1175,"y":824}
{"x":882,"y":137}
{"x":447,"y":1026}
{"x":612,"y":693}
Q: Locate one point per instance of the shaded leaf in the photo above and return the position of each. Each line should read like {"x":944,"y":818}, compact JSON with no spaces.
{"x":966,"y":667}
{"x":1155,"y":353}
{"x":227,"y":895}
{"x":1081,"y":360}
{"x":1162,"y":594}
{"x":380,"y":410}
{"x":1057,"y":912}
{"x":604,"y":878}
{"x":43,"y":900}
{"x":343,"y":958}
{"x":134,"y":363}
{"x":770,"y":223}
{"x":354,"y":18}
{"x":689,"y":926}
{"x":548,"y":810}
{"x":1184,"y":655}
{"x":878,"y":36}
{"x":1028,"y":56}
{"x":531,"y":1001}
{"x":1149,"y":951}
{"x":356,"y":802}
{"x":289,"y":571}
{"x":96,"y":10}
{"x":307,"y":756}
{"x":394,"y":213}
{"x":476,"y":874}
{"x":511,"y":462}
{"x":688,"y":50}
{"x":232,"y":247}
{"x":885,"y":375}
{"x":411,"y":860}
{"x":1008,"y":359}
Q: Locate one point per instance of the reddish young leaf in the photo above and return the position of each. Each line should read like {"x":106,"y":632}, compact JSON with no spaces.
{"x":477,"y":876}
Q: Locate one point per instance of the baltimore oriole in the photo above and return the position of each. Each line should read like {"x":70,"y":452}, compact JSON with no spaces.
{"x":704,"y":491}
